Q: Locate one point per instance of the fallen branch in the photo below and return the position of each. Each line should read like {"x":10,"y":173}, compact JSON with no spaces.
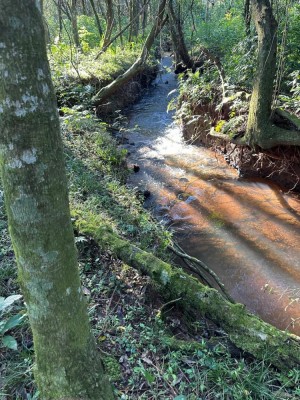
{"x":245,"y":330}
{"x":179,"y":252}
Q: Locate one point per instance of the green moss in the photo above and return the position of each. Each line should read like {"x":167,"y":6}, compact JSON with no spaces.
{"x":112,"y":367}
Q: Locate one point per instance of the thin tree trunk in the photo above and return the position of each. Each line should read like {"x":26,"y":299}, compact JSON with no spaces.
{"x":145,"y":17}
{"x":180,"y":49}
{"x":247,"y":17}
{"x":60,"y":23}
{"x":83,"y":7}
{"x":101,"y":9}
{"x":74,"y":24}
{"x":206,"y":10}
{"x":35,"y":188}
{"x":134,"y":17}
{"x":130,"y":19}
{"x":109,"y":22}
{"x":120,"y":24}
{"x":108,"y":90}
{"x":96,"y":18}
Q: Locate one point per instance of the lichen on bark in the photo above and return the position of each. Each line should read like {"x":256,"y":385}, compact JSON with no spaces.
{"x":35,"y":188}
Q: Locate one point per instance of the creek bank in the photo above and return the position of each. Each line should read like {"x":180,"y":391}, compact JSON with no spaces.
{"x":125,"y":319}
{"x":77,"y":91}
{"x":246,"y":231}
{"x":245,"y":330}
{"x":128,"y":93}
{"x":176,"y":284}
{"x":202,"y":125}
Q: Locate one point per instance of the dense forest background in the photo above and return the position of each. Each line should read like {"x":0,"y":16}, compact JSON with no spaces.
{"x":157,"y":331}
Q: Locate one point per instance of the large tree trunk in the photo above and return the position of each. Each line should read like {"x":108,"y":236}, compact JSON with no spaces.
{"x":260,"y":129}
{"x":108,"y":90}
{"x":35,"y":188}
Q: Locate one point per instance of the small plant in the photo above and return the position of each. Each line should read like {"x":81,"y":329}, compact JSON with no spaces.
{"x":10,"y":322}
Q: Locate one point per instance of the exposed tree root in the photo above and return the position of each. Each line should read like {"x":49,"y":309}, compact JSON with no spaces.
{"x":245,"y":330}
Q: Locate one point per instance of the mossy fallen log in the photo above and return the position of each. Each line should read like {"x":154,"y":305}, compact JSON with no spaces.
{"x":245,"y":330}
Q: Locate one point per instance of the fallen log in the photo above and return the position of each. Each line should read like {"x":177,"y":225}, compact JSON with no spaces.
{"x":247,"y":331}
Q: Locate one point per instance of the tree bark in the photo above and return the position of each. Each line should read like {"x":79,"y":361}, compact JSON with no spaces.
{"x":135,"y":20}
{"x":83,"y":7}
{"x":177,"y":36}
{"x":74,"y":24}
{"x":144,"y":17}
{"x":247,"y":17}
{"x":109,"y":22}
{"x":120,"y":23}
{"x":60,"y":22}
{"x":261,"y":130}
{"x":244,"y":329}
{"x":35,"y":188}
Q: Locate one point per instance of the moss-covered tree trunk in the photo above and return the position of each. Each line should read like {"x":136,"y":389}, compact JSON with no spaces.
{"x":34,"y":181}
{"x":261,"y":130}
{"x":244,"y":329}
{"x":262,"y":93}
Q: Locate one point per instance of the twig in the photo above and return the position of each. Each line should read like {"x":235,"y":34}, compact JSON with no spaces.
{"x":170,"y":302}
{"x":178,"y":251}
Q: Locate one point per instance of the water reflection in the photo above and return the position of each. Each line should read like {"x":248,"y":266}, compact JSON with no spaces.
{"x":246,"y":231}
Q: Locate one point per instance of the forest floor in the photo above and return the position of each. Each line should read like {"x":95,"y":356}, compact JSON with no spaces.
{"x":151,"y":349}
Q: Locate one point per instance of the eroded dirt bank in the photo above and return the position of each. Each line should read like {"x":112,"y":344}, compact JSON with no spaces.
{"x":280,"y":165}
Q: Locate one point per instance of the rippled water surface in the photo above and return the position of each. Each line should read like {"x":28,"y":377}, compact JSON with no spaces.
{"x":246,"y":231}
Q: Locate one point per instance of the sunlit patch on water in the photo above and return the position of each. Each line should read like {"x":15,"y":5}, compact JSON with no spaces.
{"x":247,"y":231}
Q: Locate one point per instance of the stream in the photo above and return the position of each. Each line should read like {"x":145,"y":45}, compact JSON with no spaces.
{"x":247,"y":231}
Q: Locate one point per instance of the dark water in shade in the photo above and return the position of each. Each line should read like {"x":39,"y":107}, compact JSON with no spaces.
{"x":248,"y":232}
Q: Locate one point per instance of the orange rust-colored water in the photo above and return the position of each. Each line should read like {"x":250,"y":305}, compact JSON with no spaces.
{"x":247,"y":231}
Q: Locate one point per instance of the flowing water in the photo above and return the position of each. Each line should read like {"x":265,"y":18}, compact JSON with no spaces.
{"x":247,"y":231}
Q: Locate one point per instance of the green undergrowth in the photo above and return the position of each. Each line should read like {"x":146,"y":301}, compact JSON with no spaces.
{"x":97,"y":174}
{"x":150,"y":349}
{"x":78,"y":76}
